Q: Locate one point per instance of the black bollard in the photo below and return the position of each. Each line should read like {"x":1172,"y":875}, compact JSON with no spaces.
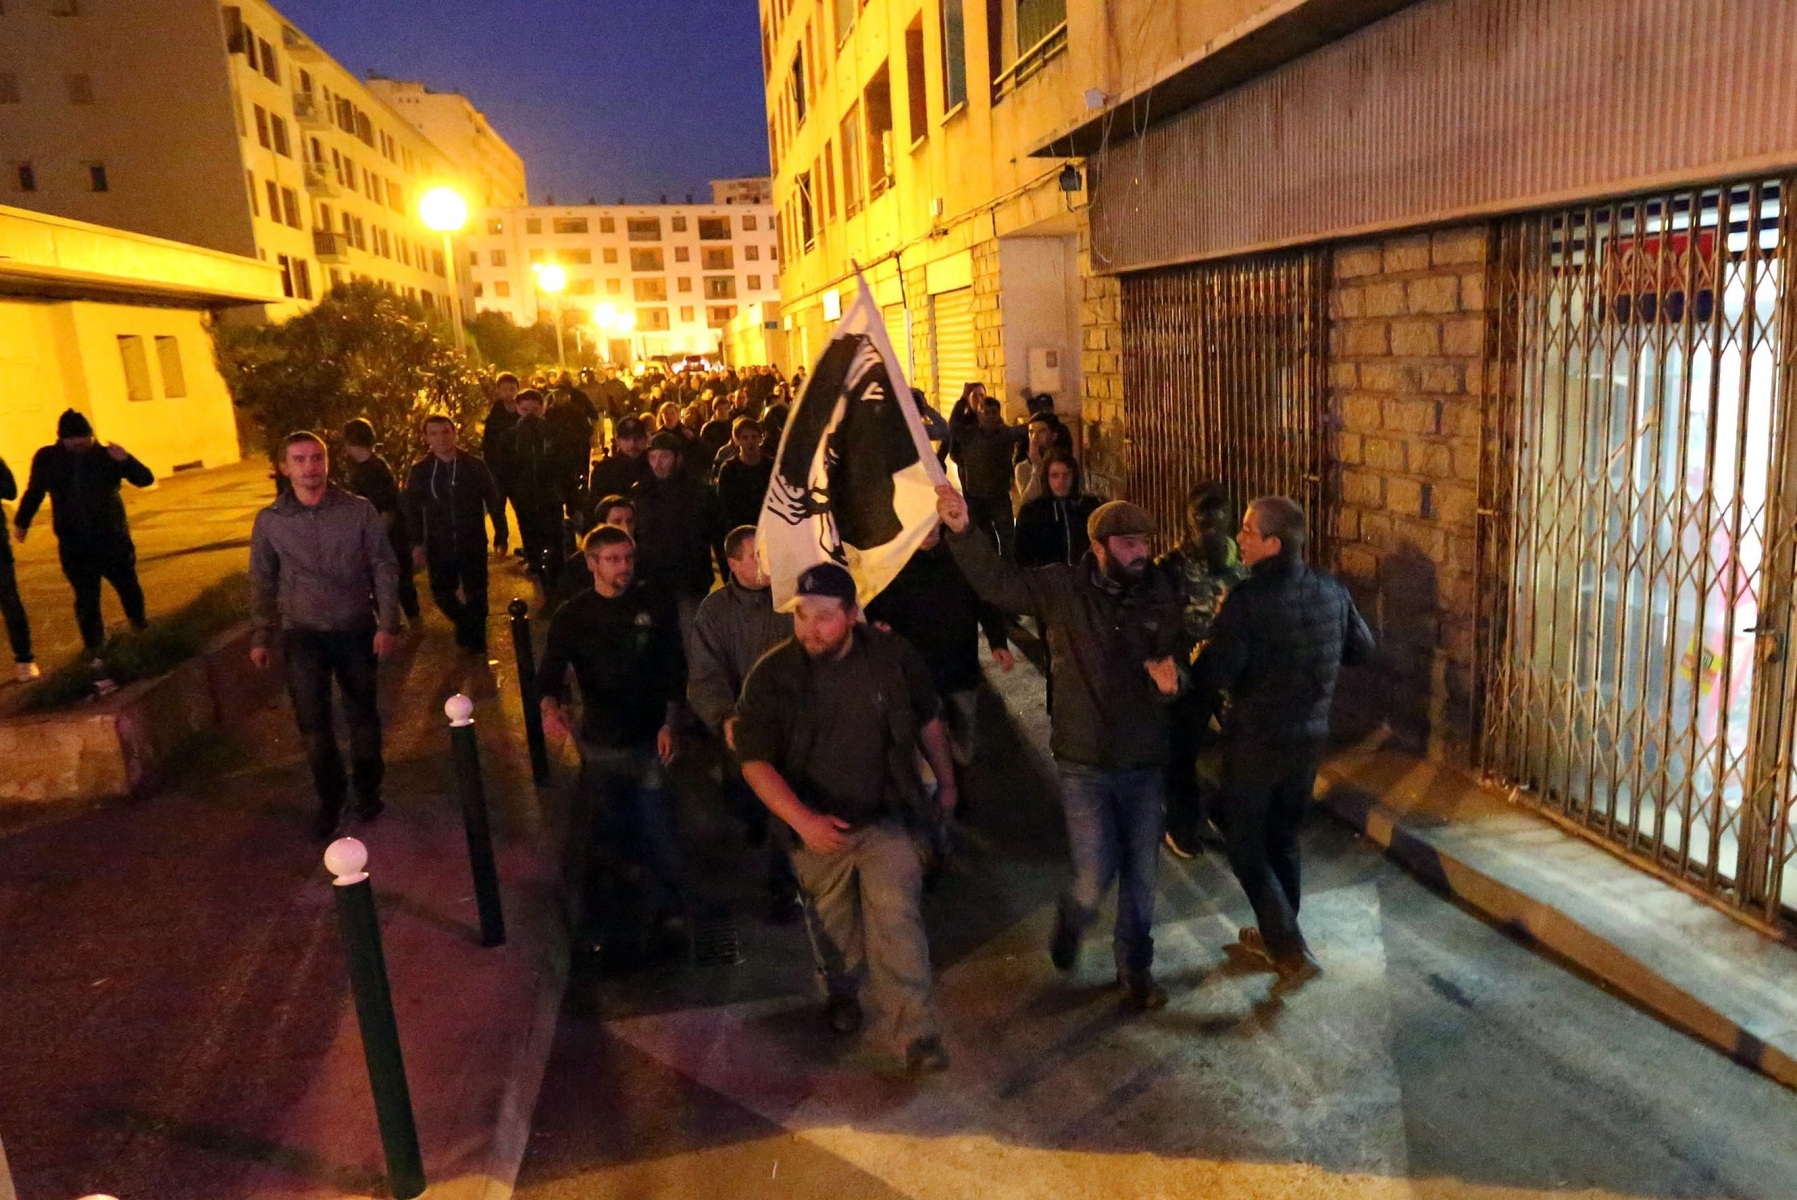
{"x":460,"y":711}
{"x":345,"y":858}
{"x":527,"y":690}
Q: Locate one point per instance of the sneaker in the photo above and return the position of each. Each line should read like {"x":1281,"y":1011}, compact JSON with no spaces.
{"x":925,"y":1056}
{"x":324,"y":825}
{"x":1182,"y":844}
{"x":1252,"y":942}
{"x":1063,"y":947}
{"x":843,"y":1015}
{"x":1295,"y":971}
{"x":1140,"y":991}
{"x":28,"y":671}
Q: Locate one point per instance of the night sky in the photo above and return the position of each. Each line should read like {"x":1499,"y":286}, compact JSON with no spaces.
{"x":603,"y":98}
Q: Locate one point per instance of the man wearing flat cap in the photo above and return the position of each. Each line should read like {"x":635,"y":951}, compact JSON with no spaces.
{"x":829,"y":729}
{"x":1113,"y":637}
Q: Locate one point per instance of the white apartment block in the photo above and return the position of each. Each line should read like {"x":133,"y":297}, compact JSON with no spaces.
{"x":221,"y":126}
{"x":682,"y":271}
{"x":753,"y":189}
{"x":462,"y":132}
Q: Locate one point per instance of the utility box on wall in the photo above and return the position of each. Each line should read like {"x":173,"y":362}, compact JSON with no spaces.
{"x":1045,"y":370}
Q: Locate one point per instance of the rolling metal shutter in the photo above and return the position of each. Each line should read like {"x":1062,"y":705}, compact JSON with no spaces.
{"x":956,"y":358}
{"x":894,"y":316}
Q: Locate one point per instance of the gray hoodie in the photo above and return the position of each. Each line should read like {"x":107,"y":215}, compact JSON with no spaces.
{"x":327,"y":566}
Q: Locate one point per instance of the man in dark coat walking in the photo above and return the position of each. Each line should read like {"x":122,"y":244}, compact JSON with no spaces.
{"x":12,"y":609}
{"x":448,"y":496}
{"x":93,"y":538}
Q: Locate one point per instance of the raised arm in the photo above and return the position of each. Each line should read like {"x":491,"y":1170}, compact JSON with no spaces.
{"x":997,"y":580}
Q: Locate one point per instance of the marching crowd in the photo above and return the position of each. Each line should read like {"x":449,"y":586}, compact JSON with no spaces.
{"x":1188,"y":693}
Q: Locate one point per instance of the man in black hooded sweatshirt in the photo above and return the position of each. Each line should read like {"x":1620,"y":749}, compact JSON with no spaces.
{"x":93,"y":538}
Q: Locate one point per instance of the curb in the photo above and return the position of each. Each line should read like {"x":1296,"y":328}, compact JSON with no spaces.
{"x":1537,"y":921}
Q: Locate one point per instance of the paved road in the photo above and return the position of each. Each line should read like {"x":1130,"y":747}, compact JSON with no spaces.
{"x":191,"y":530}
{"x":1437,"y":1058}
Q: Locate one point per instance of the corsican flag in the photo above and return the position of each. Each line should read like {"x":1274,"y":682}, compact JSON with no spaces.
{"x":855,"y":479}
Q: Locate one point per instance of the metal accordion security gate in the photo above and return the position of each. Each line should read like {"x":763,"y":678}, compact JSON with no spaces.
{"x":1639,"y":531}
{"x":1226,"y":369}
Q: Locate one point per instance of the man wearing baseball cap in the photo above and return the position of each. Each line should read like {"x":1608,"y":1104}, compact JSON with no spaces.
{"x":828,"y":730}
{"x":1113,"y":636}
{"x":627,"y":465}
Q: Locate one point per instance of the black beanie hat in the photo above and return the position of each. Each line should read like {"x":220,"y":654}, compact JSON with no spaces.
{"x":73,"y":425}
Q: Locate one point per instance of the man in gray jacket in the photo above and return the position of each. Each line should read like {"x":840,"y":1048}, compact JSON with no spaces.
{"x":734,"y":627}
{"x":322,"y":571}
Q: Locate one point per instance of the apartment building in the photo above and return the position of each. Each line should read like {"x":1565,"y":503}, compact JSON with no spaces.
{"x":1532,"y":377}
{"x":462,"y":132}
{"x":753,"y":189}
{"x":677,"y":272}
{"x":221,"y":126}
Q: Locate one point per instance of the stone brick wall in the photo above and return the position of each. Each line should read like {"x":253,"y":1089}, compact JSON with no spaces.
{"x":1407,"y":342}
{"x":988,"y":319}
{"x":1103,"y":445}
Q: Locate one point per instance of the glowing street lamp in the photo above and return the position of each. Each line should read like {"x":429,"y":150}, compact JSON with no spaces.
{"x":552,"y":279}
{"x":443,"y":211}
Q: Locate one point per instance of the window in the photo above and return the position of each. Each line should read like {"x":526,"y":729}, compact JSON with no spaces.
{"x":9,"y":89}
{"x":278,"y":128}
{"x":396,"y":197}
{"x":751,"y":253}
{"x":262,"y":128}
{"x":643,"y":229}
{"x":286,"y":265}
{"x":851,"y":162}
{"x":1037,"y":21}
{"x":845,"y":18}
{"x":96,"y":177}
{"x":773,"y":253}
{"x":270,"y":67}
{"x":649,"y":289}
{"x":915,"y":70}
{"x":749,"y":223}
{"x":614,"y":287}
{"x":501,"y":288}
{"x":714,"y":229}
{"x":533,"y":225}
{"x":677,"y":224}
{"x":878,"y":103}
{"x":306,"y":82}
{"x":652,"y":319}
{"x":137,"y":367}
{"x":797,"y":89}
{"x":582,"y":256}
{"x":754,"y":283}
{"x":716,"y":317}
{"x":479,"y":289}
{"x":718,"y":258}
{"x":684,"y":283}
{"x":81,"y":89}
{"x":497,"y":258}
{"x":686,"y":312}
{"x":609,"y":254}
{"x":829,"y":185}
{"x":720,"y":287}
{"x":274,"y":199}
{"x":474,"y":258}
{"x":302,"y":278}
{"x":255,"y":201}
{"x":683,"y":254}
{"x":570,"y":224}
{"x":607,"y":225}
{"x":436,"y":256}
{"x":495,"y":226}
{"x":537,"y":258}
{"x":580,"y":287}
{"x":954,"y":56}
{"x":290,"y":206}
{"x":646,"y":259}
{"x":807,"y":218}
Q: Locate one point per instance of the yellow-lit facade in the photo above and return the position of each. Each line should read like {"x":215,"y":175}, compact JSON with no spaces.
{"x":223,"y":126}
{"x":117,"y":326}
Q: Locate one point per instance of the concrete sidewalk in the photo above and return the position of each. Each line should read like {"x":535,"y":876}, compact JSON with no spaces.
{"x":1682,"y":959}
{"x":178,"y":1021}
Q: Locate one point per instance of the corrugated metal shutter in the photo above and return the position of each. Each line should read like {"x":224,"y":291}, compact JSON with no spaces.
{"x":956,"y":355}
{"x":894,"y":316}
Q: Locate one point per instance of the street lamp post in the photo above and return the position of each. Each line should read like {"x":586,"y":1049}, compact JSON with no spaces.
{"x":442,"y":209}
{"x":552,"y":279}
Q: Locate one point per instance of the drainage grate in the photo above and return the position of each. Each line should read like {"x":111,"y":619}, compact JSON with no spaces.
{"x":717,"y":944}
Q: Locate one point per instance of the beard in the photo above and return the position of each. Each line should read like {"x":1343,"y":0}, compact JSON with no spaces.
{"x":1125,"y":573}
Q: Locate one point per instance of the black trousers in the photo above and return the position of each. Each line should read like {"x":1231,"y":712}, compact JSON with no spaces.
{"x":540,"y":533}
{"x":1265,"y":794}
{"x":314,"y":657}
{"x":459,"y":586}
{"x":1190,"y":796}
{"x":12,"y":609}
{"x":993,"y":514}
{"x":85,"y":564}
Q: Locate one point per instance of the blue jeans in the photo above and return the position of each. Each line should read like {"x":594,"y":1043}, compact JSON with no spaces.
{"x":628,"y":787}
{"x":1115,"y":819}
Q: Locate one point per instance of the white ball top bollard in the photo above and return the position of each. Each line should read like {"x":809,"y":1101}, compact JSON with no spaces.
{"x":459,"y":709}
{"x":345,"y":858}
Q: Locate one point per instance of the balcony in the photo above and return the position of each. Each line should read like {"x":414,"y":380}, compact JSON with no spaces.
{"x":320,"y":182}
{"x":299,"y":45}
{"x":330,"y":246}
{"x":310,"y":112}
